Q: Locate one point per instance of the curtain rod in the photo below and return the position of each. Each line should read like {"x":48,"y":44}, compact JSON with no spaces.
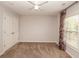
{"x":71,"y":5}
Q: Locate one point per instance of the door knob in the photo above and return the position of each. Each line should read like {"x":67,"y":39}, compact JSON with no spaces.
{"x":13,"y":33}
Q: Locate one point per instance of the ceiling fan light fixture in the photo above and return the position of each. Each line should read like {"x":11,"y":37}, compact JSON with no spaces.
{"x":36,"y":7}
{"x":37,"y":4}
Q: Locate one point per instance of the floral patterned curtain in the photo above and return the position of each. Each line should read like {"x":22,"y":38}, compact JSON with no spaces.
{"x":62,"y":44}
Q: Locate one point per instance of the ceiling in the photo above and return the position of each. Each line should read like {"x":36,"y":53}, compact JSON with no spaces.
{"x":25,"y":8}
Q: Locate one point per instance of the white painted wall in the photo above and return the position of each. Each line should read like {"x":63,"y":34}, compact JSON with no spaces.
{"x":39,"y":29}
{"x":74,"y":10}
{"x":8,"y":24}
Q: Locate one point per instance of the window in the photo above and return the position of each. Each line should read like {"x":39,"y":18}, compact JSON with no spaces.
{"x":71,"y":30}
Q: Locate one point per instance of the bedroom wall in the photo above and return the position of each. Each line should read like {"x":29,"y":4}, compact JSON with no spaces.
{"x":74,"y":10}
{"x":39,"y":29}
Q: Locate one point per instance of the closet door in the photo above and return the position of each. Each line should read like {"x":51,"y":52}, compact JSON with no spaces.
{"x":1,"y":41}
{"x":15,"y":29}
{"x":7,"y":31}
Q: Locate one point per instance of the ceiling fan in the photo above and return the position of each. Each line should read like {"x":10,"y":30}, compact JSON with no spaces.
{"x":37,"y":4}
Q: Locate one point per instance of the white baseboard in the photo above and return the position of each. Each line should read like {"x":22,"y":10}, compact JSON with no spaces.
{"x":41,"y":41}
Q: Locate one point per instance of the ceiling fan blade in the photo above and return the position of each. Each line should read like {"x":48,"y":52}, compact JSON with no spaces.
{"x":43,"y":3}
{"x":31,"y":8}
{"x":31,"y":2}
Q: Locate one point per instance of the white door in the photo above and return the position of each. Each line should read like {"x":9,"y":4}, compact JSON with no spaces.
{"x":15,"y":28}
{"x":7,"y":31}
{"x":1,"y":41}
